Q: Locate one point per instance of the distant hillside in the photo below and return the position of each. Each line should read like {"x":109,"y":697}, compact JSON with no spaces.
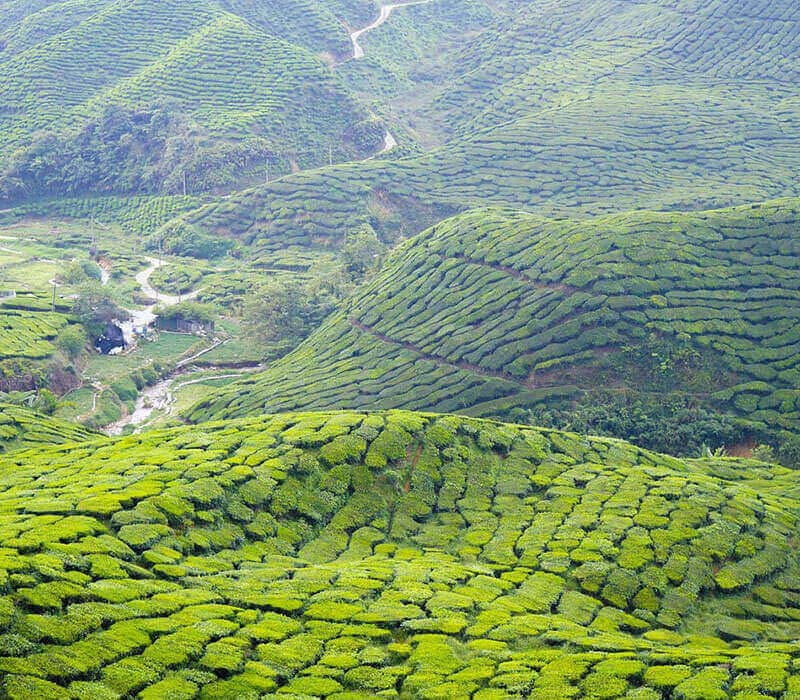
{"x":561,"y":108}
{"x":139,"y":93}
{"x":398,"y":555}
{"x":495,"y":309}
{"x":21,"y":428}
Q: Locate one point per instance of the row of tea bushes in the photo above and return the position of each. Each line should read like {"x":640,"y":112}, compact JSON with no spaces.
{"x":494,"y":309}
{"x":21,"y":428}
{"x":28,"y":333}
{"x":397,"y":555}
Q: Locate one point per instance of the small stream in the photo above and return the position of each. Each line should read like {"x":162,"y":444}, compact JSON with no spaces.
{"x":152,"y":398}
{"x":160,"y":397}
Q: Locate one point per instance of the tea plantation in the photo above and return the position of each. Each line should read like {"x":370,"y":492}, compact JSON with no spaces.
{"x":494,"y":309}
{"x":562,"y":108}
{"x":138,"y":215}
{"x":21,"y":428}
{"x":28,"y":326}
{"x":394,"y":555}
{"x":27,"y":334}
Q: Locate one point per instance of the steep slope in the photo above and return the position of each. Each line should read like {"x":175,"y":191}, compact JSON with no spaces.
{"x":314,"y":25}
{"x":573,"y":107}
{"x":495,"y":309}
{"x":393,"y":555}
{"x":21,"y":428}
{"x":234,"y":87}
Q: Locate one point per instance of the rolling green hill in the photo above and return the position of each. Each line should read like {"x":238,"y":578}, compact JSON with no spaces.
{"x":138,"y":93}
{"x":21,"y":428}
{"x":395,"y":555}
{"x":562,"y":108}
{"x":495,"y":309}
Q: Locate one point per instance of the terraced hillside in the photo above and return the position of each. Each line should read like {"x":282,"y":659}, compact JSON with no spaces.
{"x":204,"y":88}
{"x":496,"y":309}
{"x":571,"y":108}
{"x":138,"y":215}
{"x":394,"y":555}
{"x":21,"y":428}
{"x":29,"y":329}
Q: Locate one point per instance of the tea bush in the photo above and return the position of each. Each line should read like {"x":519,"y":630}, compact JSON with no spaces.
{"x":470,"y":559}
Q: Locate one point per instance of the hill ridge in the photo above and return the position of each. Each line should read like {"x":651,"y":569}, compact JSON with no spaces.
{"x":692,"y":288}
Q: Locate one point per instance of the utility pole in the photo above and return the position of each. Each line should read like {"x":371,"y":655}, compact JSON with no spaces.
{"x":160,"y":245}
{"x":184,"y":183}
{"x":267,"y":182}
{"x":54,"y":293}
{"x":91,"y":229}
{"x":330,"y":154}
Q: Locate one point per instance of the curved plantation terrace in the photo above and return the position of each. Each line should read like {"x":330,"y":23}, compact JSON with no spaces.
{"x":21,"y":428}
{"x":396,"y":555}
{"x":496,"y":309}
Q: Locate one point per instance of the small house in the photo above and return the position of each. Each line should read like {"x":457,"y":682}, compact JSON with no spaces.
{"x":180,"y":324}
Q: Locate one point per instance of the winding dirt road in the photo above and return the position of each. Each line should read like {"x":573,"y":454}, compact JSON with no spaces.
{"x":145,"y":316}
{"x":385,"y":13}
{"x":143,"y":278}
{"x":389,"y":141}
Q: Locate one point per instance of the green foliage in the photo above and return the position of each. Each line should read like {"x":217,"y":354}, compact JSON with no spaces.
{"x":361,"y":251}
{"x":669,"y":422}
{"x":285,"y":311}
{"x":72,"y":341}
{"x":189,"y":309}
{"x":94,"y":307}
{"x":46,"y":402}
{"x":29,"y":333}
{"x":176,"y":278}
{"x":554,"y":109}
{"x":499,"y":313}
{"x":369,"y":555}
{"x":789,"y":451}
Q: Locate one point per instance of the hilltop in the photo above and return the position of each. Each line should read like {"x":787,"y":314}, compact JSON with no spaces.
{"x":169,"y":97}
{"x":393,"y":555}
{"x":494,"y":310}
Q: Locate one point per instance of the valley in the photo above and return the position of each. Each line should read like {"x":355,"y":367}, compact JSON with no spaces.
{"x":417,"y":350}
